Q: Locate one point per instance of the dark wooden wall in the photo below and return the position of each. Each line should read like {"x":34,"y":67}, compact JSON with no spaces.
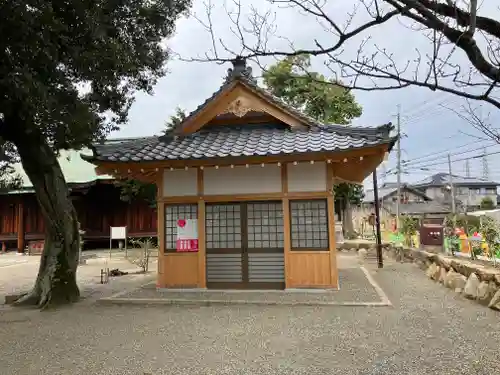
{"x":99,"y":207}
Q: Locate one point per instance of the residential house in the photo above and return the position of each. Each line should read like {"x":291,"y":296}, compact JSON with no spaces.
{"x":413,"y":202}
{"x":469,"y":191}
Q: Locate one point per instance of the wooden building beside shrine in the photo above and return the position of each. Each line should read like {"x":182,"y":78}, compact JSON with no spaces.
{"x":96,"y":200}
{"x":253,"y":177}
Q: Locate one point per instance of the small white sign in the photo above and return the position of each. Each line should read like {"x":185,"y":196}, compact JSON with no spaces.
{"x":118,"y":233}
{"x":339,"y":233}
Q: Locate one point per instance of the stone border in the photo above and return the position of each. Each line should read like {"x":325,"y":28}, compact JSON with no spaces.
{"x":474,"y":281}
{"x":383,"y":297}
{"x":118,"y":299}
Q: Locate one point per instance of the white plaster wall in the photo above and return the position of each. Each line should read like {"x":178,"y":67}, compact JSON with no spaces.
{"x":307,"y":177}
{"x":241,"y":180}
{"x":180,"y":182}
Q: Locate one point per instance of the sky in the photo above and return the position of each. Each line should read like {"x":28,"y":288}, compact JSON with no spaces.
{"x":430,"y":128}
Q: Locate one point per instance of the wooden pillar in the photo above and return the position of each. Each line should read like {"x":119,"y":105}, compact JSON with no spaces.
{"x":287,"y":235}
{"x":20,"y":227}
{"x":160,"y":224}
{"x":334,"y":273}
{"x":202,"y":258}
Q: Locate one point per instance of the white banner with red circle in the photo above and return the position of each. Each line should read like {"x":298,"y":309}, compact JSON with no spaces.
{"x":187,"y":235}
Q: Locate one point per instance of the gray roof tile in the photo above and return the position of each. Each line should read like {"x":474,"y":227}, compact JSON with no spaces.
{"x":441,"y":179}
{"x":249,"y":140}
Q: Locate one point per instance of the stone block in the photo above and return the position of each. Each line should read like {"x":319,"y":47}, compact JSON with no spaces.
{"x":442,"y":274}
{"x":454,"y":280}
{"x":433,"y":272}
{"x":485,"y":292}
{"x":471,"y":286}
{"x":495,"y":301}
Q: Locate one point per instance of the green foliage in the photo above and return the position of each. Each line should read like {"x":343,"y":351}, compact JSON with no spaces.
{"x":175,"y":120}
{"x":449,"y":233}
{"x":9,"y":178}
{"x":354,"y":193}
{"x":409,"y":227}
{"x":490,"y":230}
{"x":469,"y":223}
{"x":291,"y":80}
{"x":487,"y":204}
{"x":133,"y":189}
{"x":69,"y":69}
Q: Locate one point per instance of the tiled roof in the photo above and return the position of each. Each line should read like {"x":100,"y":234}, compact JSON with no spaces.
{"x":242,"y":74}
{"x":441,"y":179}
{"x":246,"y":140}
{"x":388,"y":189}
{"x":249,"y":140}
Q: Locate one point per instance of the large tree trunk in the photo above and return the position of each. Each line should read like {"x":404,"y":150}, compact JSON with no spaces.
{"x":347,"y":218}
{"x":56,"y":281}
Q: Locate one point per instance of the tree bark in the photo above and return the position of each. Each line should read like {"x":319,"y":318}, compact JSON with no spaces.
{"x":347,"y":218}
{"x":56,"y":281}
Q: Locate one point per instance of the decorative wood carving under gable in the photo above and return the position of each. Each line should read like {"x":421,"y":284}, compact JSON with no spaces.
{"x":240,"y":107}
{"x":239,"y":99}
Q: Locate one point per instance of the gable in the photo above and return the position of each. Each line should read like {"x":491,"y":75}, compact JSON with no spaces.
{"x":388,"y":191}
{"x":241,"y":100}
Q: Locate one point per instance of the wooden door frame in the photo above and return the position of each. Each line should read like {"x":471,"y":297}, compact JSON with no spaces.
{"x":245,"y":283}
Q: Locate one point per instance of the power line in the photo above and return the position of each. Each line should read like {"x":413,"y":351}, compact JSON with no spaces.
{"x":425,"y":103}
{"x":417,"y":163}
{"x":467,"y":158}
{"x":445,"y":151}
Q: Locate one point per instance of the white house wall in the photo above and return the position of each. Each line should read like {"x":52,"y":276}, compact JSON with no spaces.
{"x":241,"y":180}
{"x":180,"y":182}
{"x":254,"y":179}
{"x":307,"y":177}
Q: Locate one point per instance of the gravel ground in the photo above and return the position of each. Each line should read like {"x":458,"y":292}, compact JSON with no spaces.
{"x":429,"y":330}
{"x":18,"y":274}
{"x":354,"y":287}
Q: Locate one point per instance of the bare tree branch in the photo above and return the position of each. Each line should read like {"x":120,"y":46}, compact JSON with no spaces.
{"x":481,"y":123}
{"x":448,"y":27}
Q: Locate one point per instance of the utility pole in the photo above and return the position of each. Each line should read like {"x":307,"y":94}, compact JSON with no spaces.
{"x":398,"y":166}
{"x":452,"y":188}
{"x":486,"y":169}
{"x":378,"y":239}
{"x":467,"y":168}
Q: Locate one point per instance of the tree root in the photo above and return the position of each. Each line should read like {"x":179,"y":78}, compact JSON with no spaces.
{"x":29,"y":299}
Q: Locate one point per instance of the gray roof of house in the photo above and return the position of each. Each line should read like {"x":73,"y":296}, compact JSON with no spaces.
{"x":223,"y":141}
{"x":441,"y":179}
{"x":271,"y":139}
{"x":387,"y":189}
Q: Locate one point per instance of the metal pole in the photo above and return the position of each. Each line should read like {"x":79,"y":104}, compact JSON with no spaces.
{"x":452,"y":188}
{"x":398,"y":167}
{"x":380,"y":260}
{"x":110,"y":241}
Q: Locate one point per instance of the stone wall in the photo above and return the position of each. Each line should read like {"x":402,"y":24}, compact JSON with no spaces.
{"x":477,"y":282}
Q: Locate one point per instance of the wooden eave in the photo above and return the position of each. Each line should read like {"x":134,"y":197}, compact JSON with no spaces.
{"x":252,"y":99}
{"x":349,"y":166}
